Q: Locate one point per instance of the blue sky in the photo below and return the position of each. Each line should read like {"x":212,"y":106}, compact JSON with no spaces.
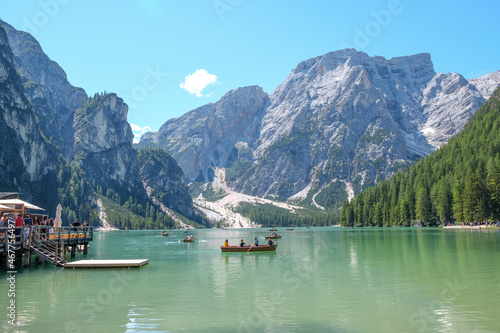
{"x":165,"y":58}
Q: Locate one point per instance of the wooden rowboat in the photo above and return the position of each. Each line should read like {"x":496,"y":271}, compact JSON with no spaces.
{"x":253,"y":248}
{"x":189,"y":240}
{"x":273,"y":229}
{"x":165,"y":233}
{"x":273,"y":237}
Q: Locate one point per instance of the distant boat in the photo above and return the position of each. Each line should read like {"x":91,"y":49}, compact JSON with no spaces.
{"x":273,"y":237}
{"x":252,"y":248}
{"x":273,"y":229}
{"x":187,"y":240}
{"x":165,"y":233}
{"x":289,"y":229}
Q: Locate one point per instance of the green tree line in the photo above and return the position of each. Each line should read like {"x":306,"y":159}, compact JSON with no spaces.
{"x":459,"y":182}
{"x":269,"y":215}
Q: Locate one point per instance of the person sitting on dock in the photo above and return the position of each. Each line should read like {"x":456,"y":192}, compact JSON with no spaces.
{"x":226,"y":243}
{"x":270,"y":242}
{"x":256,"y":242}
{"x":242,"y":243}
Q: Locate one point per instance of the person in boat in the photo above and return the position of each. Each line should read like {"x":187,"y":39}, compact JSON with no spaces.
{"x":226,"y":243}
{"x":242,"y":243}
{"x":190,"y":237}
{"x":256,"y":242}
{"x":270,"y":242}
{"x":274,"y":234}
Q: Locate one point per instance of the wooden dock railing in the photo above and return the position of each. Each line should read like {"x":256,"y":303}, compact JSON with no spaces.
{"x":46,"y":241}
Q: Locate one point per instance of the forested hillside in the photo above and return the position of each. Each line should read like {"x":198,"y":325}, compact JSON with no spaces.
{"x":459,"y":182}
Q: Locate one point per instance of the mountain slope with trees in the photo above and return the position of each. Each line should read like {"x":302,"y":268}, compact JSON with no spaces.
{"x":459,"y":182}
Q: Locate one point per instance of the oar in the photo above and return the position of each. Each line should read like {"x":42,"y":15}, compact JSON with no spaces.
{"x":249,"y":248}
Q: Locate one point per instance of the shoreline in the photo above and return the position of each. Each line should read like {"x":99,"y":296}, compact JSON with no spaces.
{"x":471,"y":227}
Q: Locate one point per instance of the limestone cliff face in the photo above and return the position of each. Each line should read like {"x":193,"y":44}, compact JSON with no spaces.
{"x":487,"y":84}
{"x":103,"y":145}
{"x":25,"y":152}
{"x":208,"y":137}
{"x":341,"y":117}
{"x":47,"y":86}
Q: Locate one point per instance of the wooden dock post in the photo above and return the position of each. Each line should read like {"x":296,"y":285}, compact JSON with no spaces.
{"x":27,"y":251}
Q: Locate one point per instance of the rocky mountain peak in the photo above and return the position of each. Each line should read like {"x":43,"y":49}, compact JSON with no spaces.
{"x":207,"y":136}
{"x":342,"y":118}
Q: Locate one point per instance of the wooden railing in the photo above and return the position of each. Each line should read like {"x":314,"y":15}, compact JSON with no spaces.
{"x":17,"y":242}
{"x":68,"y":235}
{"x":42,"y":234}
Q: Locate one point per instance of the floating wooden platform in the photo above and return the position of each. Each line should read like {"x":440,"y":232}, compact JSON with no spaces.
{"x":118,"y":263}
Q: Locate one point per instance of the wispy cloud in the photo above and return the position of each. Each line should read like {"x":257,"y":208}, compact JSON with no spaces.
{"x":195,"y":83}
{"x":139,"y":131}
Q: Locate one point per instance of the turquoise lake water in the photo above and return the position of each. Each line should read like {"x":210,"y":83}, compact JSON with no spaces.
{"x":319,"y":280}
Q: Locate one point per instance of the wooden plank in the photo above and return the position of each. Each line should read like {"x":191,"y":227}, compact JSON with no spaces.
{"x":116,"y":263}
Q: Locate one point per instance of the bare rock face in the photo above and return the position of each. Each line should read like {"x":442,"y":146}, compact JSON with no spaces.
{"x":103,"y":145}
{"x":341,"y":117}
{"x":487,"y":84}
{"x":207,"y":136}
{"x":25,"y":153}
{"x":46,"y":85}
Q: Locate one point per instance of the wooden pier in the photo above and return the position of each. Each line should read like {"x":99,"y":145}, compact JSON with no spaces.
{"x":118,"y":263}
{"x":49,"y":243}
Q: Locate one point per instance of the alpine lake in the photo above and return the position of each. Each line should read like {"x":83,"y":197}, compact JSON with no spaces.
{"x":327,"y":279}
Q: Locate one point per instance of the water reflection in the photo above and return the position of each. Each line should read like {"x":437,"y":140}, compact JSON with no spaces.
{"x":366,"y":280}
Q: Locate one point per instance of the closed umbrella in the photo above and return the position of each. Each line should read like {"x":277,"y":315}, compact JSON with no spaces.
{"x":58,"y":221}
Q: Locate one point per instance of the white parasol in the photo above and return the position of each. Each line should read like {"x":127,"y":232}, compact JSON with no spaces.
{"x":2,"y":207}
{"x":58,"y":221}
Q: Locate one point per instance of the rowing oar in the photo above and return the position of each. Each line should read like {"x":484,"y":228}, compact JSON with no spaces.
{"x":249,"y":248}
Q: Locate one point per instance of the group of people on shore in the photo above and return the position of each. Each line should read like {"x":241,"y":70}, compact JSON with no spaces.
{"x":243,"y":244}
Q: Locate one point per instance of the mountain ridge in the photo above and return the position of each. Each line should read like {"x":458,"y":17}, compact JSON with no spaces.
{"x":343,"y":118}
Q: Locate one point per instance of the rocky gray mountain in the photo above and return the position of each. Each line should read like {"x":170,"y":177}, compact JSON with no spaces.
{"x":486,"y":84}
{"x":343,"y":118}
{"x":52,"y":126}
{"x":25,"y":152}
{"x":47,"y":86}
{"x":102,"y":145}
{"x":213,"y":134}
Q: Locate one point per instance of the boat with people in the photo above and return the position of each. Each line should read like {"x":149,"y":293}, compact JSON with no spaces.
{"x":273,"y":237}
{"x":249,"y":248}
{"x":165,"y":233}
{"x":273,"y":229}
{"x":189,"y":239}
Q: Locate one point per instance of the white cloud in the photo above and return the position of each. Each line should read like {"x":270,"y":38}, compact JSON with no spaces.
{"x":139,"y":131}
{"x":196,"y":82}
